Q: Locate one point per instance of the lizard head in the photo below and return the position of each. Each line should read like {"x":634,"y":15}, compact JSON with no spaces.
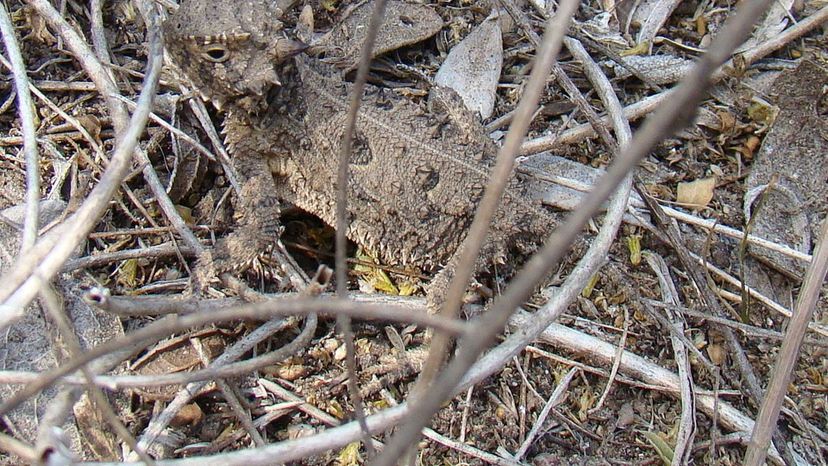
{"x":229,"y":49}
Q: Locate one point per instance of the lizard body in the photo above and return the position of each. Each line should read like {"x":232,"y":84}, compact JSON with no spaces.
{"x":417,"y":173}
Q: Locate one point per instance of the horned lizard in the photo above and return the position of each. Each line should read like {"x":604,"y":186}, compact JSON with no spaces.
{"x":417,"y":173}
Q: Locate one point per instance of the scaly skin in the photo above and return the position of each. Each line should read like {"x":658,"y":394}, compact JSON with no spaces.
{"x":417,"y":174}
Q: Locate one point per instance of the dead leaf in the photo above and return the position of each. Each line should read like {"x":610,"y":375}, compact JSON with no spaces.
{"x":774,"y":22}
{"x":374,"y":278}
{"x":716,"y":353}
{"x":634,"y":245}
{"x":642,"y":48}
{"x":665,"y":452}
{"x":189,"y":415}
{"x":604,"y":29}
{"x":473,"y":66}
{"x":96,"y":432}
{"x":330,"y":5}
{"x":626,"y":416}
{"x":92,"y":125}
{"x":128,"y":272}
{"x":177,"y":355}
{"x":408,"y":288}
{"x":349,"y":455}
{"x":335,"y":409}
{"x":300,"y":431}
{"x":762,"y":111}
{"x":585,"y":403}
{"x":651,"y":15}
{"x":291,"y":372}
{"x":40,"y":32}
{"x":340,"y":353}
{"x":590,"y":286}
{"x":696,"y":194}
{"x":660,"y":69}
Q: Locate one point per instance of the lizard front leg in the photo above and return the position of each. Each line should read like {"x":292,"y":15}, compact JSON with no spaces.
{"x":258,"y":228}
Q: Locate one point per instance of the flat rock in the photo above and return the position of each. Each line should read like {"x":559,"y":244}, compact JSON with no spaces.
{"x":794,"y":154}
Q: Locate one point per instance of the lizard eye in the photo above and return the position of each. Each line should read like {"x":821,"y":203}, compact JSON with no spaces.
{"x":215,"y":53}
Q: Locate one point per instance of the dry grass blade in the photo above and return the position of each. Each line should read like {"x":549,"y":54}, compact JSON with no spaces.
{"x":786,"y":360}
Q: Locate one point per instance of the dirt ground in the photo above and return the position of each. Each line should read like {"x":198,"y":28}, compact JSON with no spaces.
{"x":622,"y":419}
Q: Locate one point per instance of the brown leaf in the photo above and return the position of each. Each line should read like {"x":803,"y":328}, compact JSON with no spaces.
{"x":96,"y":432}
{"x":190,"y":414}
{"x":696,"y":194}
{"x":717,"y":353}
{"x":473,"y":66}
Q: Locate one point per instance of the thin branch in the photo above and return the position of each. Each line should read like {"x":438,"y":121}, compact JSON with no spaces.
{"x":24,"y":107}
{"x":603,"y":373}
{"x":173,"y":130}
{"x":15,"y":447}
{"x":702,"y":282}
{"x":586,"y":267}
{"x":647,"y":105}
{"x":746,"y":329}
{"x":306,"y":407}
{"x":149,"y":252}
{"x":60,"y":318}
{"x":599,"y":126}
{"x":340,"y":436}
{"x":668,"y":118}
{"x":161,"y":328}
{"x":687,"y":420}
{"x":759,"y":297}
{"x":554,"y":400}
{"x":465,"y":449}
{"x":500,"y":175}
{"x":230,"y":396}
{"x":72,"y":121}
{"x":343,"y":321}
{"x":622,"y":343}
{"x":710,"y":225}
{"x":162,"y":420}
{"x":638,"y":367}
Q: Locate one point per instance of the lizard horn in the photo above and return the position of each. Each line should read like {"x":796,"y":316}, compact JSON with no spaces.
{"x":286,"y":48}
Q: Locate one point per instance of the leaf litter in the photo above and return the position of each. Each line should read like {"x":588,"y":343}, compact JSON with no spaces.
{"x":723,"y":153}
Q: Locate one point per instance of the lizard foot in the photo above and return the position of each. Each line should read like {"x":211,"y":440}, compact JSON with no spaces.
{"x":240,"y":252}
{"x":259,"y":229}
